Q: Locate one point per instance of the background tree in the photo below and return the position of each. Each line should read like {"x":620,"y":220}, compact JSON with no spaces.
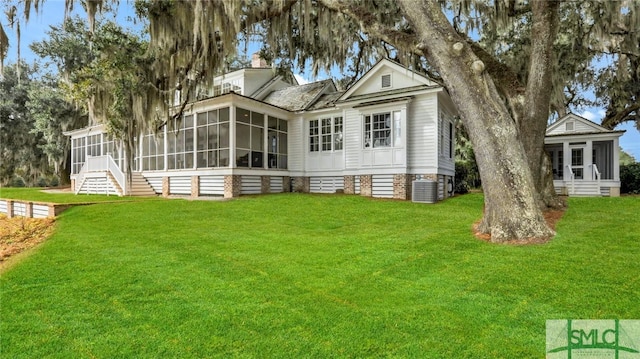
{"x":20,"y":148}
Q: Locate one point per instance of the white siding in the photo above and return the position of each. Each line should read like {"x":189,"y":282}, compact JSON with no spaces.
{"x":296,"y":138}
{"x":251,"y":185}
{"x":276,"y":184}
{"x":180,"y":185}
{"x":212,"y":185}
{"x":398,"y":80}
{"x":3,"y":207}
{"x":40,"y":211}
{"x":357,"y":185}
{"x":423,"y":133}
{"x":353,"y":138}
{"x":19,"y":209}
{"x":382,"y":186}
{"x":326,"y":184}
{"x":98,"y":185}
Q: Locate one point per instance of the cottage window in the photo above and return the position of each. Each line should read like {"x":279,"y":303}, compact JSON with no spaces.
{"x":337,"y":134}
{"x":326,"y":134}
{"x":377,"y":130}
{"x":314,"y":136}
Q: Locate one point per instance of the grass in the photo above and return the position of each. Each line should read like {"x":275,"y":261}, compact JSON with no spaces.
{"x":293,"y":275}
{"x":38,"y":195}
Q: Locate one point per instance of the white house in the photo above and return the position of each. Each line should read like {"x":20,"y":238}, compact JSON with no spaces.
{"x":585,"y":157}
{"x":256,"y":133}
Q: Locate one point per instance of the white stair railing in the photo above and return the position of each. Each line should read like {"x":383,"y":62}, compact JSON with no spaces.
{"x":99,"y":164}
{"x":596,"y":174}
{"x":573,"y":176}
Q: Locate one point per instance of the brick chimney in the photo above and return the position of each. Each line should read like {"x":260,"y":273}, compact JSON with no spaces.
{"x":257,"y":61}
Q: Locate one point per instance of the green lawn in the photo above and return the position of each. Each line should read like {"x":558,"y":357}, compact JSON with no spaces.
{"x":293,"y":275}
{"x":38,"y":195}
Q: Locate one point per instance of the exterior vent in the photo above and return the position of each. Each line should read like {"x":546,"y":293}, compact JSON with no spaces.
{"x":424,"y":191}
{"x":386,"y":80}
{"x":569,"y":126}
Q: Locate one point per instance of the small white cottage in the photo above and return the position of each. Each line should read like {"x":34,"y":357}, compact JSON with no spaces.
{"x":256,"y":133}
{"x":585,"y":157}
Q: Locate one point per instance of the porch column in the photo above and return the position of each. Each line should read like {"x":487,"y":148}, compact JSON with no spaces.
{"x":566,"y":161}
{"x":588,"y":161}
{"x":616,"y":159}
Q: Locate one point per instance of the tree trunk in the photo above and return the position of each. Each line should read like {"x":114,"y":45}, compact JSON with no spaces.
{"x":532,"y":120}
{"x":511,"y":210}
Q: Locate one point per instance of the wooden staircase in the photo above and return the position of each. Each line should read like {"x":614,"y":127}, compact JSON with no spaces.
{"x":139,"y":186}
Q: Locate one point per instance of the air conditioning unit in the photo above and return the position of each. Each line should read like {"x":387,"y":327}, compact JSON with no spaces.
{"x":424,"y":191}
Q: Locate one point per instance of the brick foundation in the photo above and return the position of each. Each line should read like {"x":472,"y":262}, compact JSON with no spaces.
{"x":232,"y":186}
{"x":349,"y":184}
{"x":402,"y":186}
{"x":286,"y":184}
{"x":265,"y":184}
{"x":165,"y":186}
{"x":195,"y":186}
{"x":301,"y":184}
{"x":366,"y":185}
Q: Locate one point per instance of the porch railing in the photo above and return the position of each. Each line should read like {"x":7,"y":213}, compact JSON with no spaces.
{"x":99,"y":164}
{"x":596,"y":174}
{"x":573,"y":177}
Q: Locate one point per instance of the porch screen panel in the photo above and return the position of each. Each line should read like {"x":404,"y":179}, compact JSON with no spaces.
{"x":212,"y":142}
{"x":249,"y":138}
{"x":277,"y":143}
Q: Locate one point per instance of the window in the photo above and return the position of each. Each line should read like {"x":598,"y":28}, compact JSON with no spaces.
{"x":325,"y":134}
{"x":445,"y":135}
{"x":337,"y":134}
{"x":314,"y":138}
{"x":377,"y":130}
{"x":277,"y":143}
{"x":577,"y":162}
{"x":386,"y":80}
{"x":249,"y":138}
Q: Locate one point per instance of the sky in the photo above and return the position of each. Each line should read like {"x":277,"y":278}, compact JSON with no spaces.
{"x":52,"y":13}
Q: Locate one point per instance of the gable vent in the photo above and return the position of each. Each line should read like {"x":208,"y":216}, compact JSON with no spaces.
{"x":386,"y":80}
{"x":569,"y":126}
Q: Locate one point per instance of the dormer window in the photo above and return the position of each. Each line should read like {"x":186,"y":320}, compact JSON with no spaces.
{"x":569,"y":126}
{"x":386,"y":81}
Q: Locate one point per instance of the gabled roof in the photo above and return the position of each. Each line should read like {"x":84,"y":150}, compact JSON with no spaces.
{"x":298,"y":98}
{"x":572,"y":124}
{"x":403,"y":80}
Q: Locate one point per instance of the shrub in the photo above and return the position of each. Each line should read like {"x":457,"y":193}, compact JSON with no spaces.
{"x":467,"y":176}
{"x":630,"y":178}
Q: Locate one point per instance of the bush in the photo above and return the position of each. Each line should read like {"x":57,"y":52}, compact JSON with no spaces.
{"x":17,"y":182}
{"x":630,"y":178}
{"x":467,"y":176}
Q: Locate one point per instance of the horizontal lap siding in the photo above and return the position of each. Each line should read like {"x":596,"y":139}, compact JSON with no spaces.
{"x":212,"y":185}
{"x":251,"y":185}
{"x":276,"y":184}
{"x":326,"y":184}
{"x":422,"y":132}
{"x":40,"y":211}
{"x":382,"y":186}
{"x":98,"y":185}
{"x":180,"y":185}
{"x":155,"y":183}
{"x":3,"y":207}
{"x":357,"y":185}
{"x":19,"y":209}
